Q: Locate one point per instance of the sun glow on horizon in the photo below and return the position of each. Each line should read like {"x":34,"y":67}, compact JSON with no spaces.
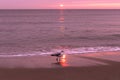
{"x":91,"y":6}
{"x":61,"y":5}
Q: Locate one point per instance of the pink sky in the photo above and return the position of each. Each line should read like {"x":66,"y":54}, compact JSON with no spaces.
{"x":54,"y":4}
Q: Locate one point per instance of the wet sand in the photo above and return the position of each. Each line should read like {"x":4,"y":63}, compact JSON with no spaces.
{"x":95,"y":66}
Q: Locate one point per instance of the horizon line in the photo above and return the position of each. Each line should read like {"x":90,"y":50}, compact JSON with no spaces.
{"x":58,"y":9}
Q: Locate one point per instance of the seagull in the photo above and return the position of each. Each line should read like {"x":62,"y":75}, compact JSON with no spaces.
{"x":59,"y":54}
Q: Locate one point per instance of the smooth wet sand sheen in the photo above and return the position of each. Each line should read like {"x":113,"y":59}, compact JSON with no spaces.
{"x":95,"y":66}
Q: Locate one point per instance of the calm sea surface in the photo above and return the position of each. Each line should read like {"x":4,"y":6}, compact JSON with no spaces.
{"x":36,"y":32}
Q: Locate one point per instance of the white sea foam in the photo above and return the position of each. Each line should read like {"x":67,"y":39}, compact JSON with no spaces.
{"x":66,"y":51}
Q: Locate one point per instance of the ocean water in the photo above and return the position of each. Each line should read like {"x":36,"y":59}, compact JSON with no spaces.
{"x":40,"y":32}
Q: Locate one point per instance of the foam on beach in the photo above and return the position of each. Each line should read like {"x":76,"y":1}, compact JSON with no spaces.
{"x":66,"y":51}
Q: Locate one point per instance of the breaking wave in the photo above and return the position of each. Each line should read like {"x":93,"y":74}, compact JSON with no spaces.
{"x":66,"y":51}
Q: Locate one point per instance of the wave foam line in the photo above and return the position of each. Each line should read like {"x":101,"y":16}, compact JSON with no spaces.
{"x":90,"y":49}
{"x":66,"y":51}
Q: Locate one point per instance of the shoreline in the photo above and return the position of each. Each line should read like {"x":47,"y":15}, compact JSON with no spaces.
{"x":71,"y":60}
{"x":95,"y":66}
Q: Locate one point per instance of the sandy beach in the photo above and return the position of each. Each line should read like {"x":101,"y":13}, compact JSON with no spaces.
{"x":91,"y":66}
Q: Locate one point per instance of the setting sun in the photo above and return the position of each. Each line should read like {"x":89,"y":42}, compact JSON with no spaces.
{"x":61,"y":5}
